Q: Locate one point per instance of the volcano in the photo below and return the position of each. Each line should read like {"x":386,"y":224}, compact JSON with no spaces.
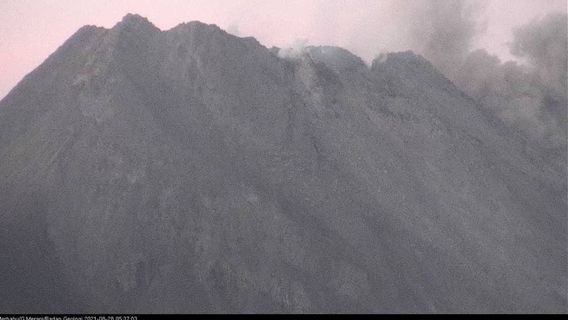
{"x":193,"y":171}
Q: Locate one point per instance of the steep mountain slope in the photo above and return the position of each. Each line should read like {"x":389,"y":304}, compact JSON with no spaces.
{"x":189,"y":170}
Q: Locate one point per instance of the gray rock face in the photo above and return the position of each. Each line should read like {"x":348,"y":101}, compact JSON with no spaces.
{"x":189,"y":170}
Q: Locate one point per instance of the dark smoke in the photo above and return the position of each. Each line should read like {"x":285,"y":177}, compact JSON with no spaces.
{"x":444,"y":31}
{"x":530,"y":96}
{"x":544,"y":43}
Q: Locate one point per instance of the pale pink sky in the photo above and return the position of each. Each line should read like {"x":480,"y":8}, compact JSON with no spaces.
{"x":32,"y":29}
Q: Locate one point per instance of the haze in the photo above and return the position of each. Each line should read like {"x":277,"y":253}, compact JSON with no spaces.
{"x":31,"y":30}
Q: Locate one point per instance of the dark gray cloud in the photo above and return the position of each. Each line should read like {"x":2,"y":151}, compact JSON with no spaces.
{"x":445,"y":30}
{"x":517,"y":95}
{"x":544,"y":43}
{"x":529,"y":96}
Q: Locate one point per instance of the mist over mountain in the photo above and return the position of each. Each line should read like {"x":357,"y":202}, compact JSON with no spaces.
{"x":190,"y":170}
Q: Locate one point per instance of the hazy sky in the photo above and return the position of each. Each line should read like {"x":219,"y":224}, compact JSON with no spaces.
{"x":32,"y":29}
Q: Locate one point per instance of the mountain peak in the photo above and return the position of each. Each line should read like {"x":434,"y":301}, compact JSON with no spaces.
{"x":408,"y":58}
{"x":410,"y":66}
{"x":336,"y":58}
{"x":133,"y":17}
{"x":132,"y":20}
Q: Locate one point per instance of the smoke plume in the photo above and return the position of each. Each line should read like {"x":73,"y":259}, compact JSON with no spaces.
{"x":529,"y":95}
{"x":444,"y":31}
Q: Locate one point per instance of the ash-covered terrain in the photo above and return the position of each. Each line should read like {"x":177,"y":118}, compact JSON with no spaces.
{"x":190,"y":170}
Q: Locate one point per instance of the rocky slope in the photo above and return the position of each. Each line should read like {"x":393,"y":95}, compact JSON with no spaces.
{"x":190,"y":170}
